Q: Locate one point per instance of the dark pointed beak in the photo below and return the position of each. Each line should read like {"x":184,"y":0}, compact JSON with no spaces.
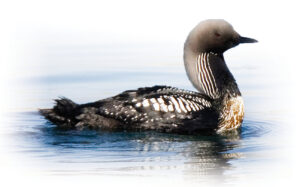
{"x":246,"y":40}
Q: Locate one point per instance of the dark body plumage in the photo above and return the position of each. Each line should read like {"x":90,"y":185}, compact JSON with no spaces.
{"x":159,"y":108}
{"x":217,"y":106}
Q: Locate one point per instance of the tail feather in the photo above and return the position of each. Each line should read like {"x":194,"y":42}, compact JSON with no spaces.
{"x":64,"y":106}
{"x":63,"y":113}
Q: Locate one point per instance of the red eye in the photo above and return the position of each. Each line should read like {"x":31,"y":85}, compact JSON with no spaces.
{"x":217,"y":34}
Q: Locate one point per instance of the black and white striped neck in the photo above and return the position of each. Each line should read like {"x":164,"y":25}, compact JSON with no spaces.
{"x":205,"y":76}
{"x":210,"y":75}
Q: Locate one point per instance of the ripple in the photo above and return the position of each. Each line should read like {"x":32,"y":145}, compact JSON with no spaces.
{"x":255,"y":128}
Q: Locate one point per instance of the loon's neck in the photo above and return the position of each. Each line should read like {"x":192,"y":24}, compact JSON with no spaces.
{"x":210,"y":75}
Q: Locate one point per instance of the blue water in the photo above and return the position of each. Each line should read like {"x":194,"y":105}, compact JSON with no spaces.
{"x":71,"y":152}
{"x":130,"y":153}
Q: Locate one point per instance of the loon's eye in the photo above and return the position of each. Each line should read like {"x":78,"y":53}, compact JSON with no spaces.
{"x":217,"y":34}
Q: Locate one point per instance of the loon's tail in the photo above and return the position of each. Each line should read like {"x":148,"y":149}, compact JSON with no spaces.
{"x":63,"y":113}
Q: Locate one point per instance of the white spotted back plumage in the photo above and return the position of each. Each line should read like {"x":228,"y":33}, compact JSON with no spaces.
{"x":159,"y":105}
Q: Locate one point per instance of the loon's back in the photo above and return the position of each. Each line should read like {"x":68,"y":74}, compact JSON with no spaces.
{"x":160,"y":108}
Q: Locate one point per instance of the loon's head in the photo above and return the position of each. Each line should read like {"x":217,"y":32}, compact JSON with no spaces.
{"x":214,"y":35}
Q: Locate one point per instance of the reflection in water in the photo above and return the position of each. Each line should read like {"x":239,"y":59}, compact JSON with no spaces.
{"x":127,"y":153}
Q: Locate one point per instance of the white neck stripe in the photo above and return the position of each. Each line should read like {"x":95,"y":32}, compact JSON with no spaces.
{"x":205,"y":76}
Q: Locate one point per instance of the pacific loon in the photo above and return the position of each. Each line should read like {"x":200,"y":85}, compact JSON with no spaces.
{"x":217,"y":106}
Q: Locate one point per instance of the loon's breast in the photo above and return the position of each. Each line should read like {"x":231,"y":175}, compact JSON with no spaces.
{"x":231,"y":114}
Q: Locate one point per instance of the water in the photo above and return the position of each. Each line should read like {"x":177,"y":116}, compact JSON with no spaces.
{"x":57,"y":151}
{"x":40,"y":146}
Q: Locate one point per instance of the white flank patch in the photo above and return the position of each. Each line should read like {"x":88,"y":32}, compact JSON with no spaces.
{"x":153,"y":100}
{"x":175,"y":104}
{"x":182,"y":105}
{"x":161,"y":101}
{"x":196,"y":106}
{"x":186,"y":104}
{"x":156,"y":107}
{"x":146,"y":103}
{"x":191,"y":105}
{"x":188,"y":108}
{"x":200,"y":107}
{"x":171,"y":108}
{"x":164,"y":108}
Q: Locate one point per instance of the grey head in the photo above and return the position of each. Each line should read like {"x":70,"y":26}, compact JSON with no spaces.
{"x":214,"y":35}
{"x":204,"y":48}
